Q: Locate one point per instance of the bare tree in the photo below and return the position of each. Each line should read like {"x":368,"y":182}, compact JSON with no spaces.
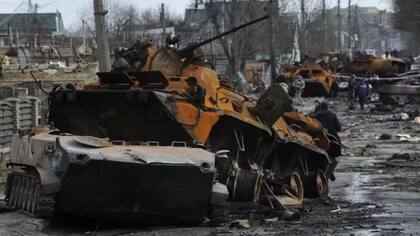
{"x":407,"y":18}
{"x":243,"y":44}
{"x":150,"y":17}
{"x":123,"y":21}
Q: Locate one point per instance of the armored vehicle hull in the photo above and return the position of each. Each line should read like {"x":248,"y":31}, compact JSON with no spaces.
{"x":399,"y":93}
{"x":119,"y":182}
{"x":319,"y":82}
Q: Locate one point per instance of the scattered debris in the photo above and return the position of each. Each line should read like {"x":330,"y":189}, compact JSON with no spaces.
{"x":382,"y":108}
{"x":271,"y":220}
{"x":408,"y":138}
{"x":404,"y":156}
{"x":336,"y":210}
{"x":385,"y":137}
{"x":240,"y":224}
{"x":393,"y":117}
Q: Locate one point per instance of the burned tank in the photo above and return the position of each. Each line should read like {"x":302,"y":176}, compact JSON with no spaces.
{"x":160,"y":137}
{"x":369,"y":65}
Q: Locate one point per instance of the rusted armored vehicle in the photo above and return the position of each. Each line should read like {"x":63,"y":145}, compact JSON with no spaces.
{"x":369,"y":65}
{"x":160,"y":136}
{"x":318,"y":81}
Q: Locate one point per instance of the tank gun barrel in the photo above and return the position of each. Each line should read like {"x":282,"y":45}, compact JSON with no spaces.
{"x":184,"y":51}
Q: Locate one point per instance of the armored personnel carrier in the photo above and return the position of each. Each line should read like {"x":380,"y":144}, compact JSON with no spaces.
{"x":161,"y":136}
{"x":319,"y":82}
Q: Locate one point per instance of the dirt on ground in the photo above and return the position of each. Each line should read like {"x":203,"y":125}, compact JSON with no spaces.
{"x":376,"y":191}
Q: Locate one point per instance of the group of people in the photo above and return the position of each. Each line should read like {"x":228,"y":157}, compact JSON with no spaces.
{"x":357,"y":89}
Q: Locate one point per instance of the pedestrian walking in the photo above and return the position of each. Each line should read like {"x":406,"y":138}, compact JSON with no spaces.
{"x":352,"y":85}
{"x":331,"y":123}
{"x":362,"y":93}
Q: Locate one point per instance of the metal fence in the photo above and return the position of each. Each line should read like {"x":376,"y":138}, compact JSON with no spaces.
{"x":16,"y":114}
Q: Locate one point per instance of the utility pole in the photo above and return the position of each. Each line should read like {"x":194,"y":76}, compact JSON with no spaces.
{"x":339,"y":25}
{"x":101,"y":36}
{"x":163,"y":24}
{"x":303,"y":24}
{"x":84,"y":37}
{"x":302,"y":11}
{"x":17,"y":40}
{"x":30,"y":7}
{"x":349,"y":28}
{"x":356,"y":15}
{"x":35,"y":40}
{"x":10,"y":36}
{"x":273,"y":9}
{"x":324,"y":26}
{"x":17,"y":45}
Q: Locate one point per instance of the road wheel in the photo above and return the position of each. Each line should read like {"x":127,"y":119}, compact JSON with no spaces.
{"x":295,"y":188}
{"x":247,"y":186}
{"x":315,"y":184}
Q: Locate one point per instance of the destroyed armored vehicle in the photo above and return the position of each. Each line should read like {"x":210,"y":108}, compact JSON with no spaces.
{"x":368,"y":65}
{"x":400,"y":92}
{"x":319,"y":81}
{"x":160,"y":136}
{"x":92,"y":177}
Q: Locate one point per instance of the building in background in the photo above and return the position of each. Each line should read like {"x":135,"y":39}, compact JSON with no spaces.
{"x":27,"y":28}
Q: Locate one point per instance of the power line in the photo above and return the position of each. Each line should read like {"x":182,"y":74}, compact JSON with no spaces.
{"x":49,"y":3}
{"x":11,"y":15}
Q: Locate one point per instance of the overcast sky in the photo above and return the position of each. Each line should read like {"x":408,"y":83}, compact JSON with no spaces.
{"x":71,"y":8}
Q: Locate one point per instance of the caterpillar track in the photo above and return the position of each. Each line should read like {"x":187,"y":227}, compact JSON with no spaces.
{"x":24,"y":192}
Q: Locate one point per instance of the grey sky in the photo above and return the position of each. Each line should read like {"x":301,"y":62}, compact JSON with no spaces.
{"x":70,"y":8}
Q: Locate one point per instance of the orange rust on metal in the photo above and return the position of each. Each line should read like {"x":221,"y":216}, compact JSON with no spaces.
{"x":315,"y":72}
{"x":312,"y":127}
{"x":197,"y":122}
{"x":282,"y":129}
{"x":369,"y":63}
{"x":150,"y":52}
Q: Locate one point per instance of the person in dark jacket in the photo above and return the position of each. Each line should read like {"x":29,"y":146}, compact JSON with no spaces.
{"x":328,"y":120}
{"x":362,"y":93}
{"x":316,"y":108}
{"x":351,"y":91}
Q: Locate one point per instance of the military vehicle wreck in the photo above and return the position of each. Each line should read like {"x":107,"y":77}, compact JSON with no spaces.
{"x":401,"y":90}
{"x":161,"y":137}
{"x":319,"y":81}
{"x":369,"y":65}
